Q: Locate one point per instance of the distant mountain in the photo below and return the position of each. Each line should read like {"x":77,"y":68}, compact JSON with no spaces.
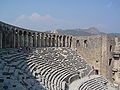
{"x":78,"y":32}
{"x":92,"y":30}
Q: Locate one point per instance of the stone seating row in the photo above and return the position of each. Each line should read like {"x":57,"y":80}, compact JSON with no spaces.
{"x":51,"y":67}
{"x":98,"y":83}
{"x":12,"y":76}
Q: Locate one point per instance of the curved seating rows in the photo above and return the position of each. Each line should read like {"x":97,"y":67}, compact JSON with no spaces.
{"x":49,"y":68}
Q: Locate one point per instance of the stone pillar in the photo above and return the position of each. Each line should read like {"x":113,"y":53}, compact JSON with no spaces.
{"x":20,"y":35}
{"x":0,"y":39}
{"x":55,"y":40}
{"x":34,"y":40}
{"x":65,"y":41}
{"x":22,"y":39}
{"x":26,"y":39}
{"x":36,"y":35}
{"x":29,"y":39}
{"x":43,"y":40}
{"x":14,"y":39}
{"x":49,"y":40}
{"x":18,"y":38}
{"x":58,"y":41}
{"x":38,"y":40}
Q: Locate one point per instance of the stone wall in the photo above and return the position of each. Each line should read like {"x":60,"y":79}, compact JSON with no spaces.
{"x":97,"y":50}
{"x":116,"y":64}
{"x":12,"y":37}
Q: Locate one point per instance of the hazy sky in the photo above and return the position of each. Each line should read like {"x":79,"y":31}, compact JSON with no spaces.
{"x":62,"y":14}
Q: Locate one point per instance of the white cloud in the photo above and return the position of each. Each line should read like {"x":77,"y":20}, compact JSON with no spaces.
{"x":101,"y":25}
{"x":109,"y":5}
{"x":38,"y":22}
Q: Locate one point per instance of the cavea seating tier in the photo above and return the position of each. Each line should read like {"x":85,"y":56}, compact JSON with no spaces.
{"x":49,"y":68}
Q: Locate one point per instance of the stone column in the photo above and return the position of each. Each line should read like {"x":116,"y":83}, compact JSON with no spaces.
{"x":22,"y":39}
{"x":58,"y":41}
{"x":61,"y":41}
{"x":38,"y":40}
{"x":49,"y":40}
{"x":55,"y":41}
{"x":45,"y":40}
{"x":18,"y":38}
{"x":29,"y":39}
{"x":0,"y":39}
{"x":65,"y":41}
{"x":26,"y":39}
{"x":42,"y":40}
{"x":14,"y":39}
{"x":35,"y":40}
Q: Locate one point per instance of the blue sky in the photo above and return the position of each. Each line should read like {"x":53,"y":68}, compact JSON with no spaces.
{"x":62,"y":14}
